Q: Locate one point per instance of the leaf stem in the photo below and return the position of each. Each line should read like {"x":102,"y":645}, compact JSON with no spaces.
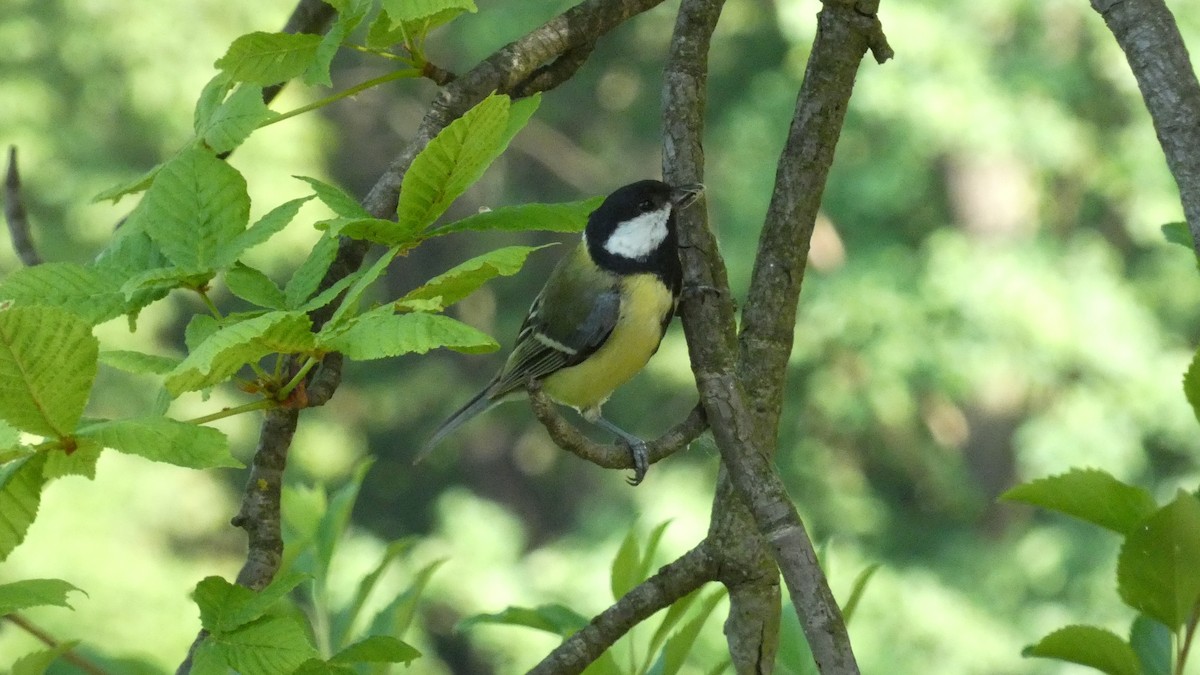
{"x":308,"y":365}
{"x":261,"y":404}
{"x":362,"y":86}
{"x":212,"y":306}
{"x":50,"y":641}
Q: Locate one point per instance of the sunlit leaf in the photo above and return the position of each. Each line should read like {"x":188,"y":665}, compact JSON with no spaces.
{"x":337,"y":199}
{"x":626,"y":566}
{"x":269,"y":58}
{"x":94,"y":294}
{"x":47,"y":363}
{"x":377,"y":649}
{"x":81,"y":461}
{"x":254,"y":287}
{"x":232,"y":122}
{"x":1178,"y":233}
{"x":465,"y":278}
{"x":270,"y":645}
{"x":224,"y":352}
{"x":138,"y":362}
{"x":37,"y":663}
{"x":563,"y":217}
{"x":27,"y":593}
{"x":225,"y":606}
{"x":1088,"y":494}
{"x":680,"y":644}
{"x":263,"y":229}
{"x":553,"y":618}
{"x":1088,"y":646}
{"x":857,"y":589}
{"x":132,"y":186}
{"x":21,"y":484}
{"x":382,"y":334}
{"x":397,"y":617}
{"x":1157,"y":572}
{"x":308,"y":276}
{"x":344,"y":621}
{"x":163,"y":439}
{"x":350,"y":14}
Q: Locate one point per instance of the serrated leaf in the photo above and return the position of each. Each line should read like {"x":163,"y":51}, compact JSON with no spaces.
{"x":380,"y":334}
{"x":162,"y":280}
{"x":83,"y":290}
{"x":254,"y":287}
{"x":307,"y":278}
{"x":226,"y":607}
{"x":196,"y":205}
{"x":451,"y":162}
{"x":626,"y":566}
{"x":80,"y":462}
{"x":269,"y":58}
{"x":350,"y":14}
{"x":138,"y":363}
{"x":337,"y":199}
{"x":47,"y":364}
{"x":211,"y":97}
{"x":199,"y":329}
{"x":270,"y":645}
{"x":10,"y":436}
{"x":378,"y":230}
{"x":349,"y":303}
{"x":129,"y":187}
{"x":1157,"y":572}
{"x":857,"y":589}
{"x":465,"y":278}
{"x":1191,"y":385}
{"x":415,"y":10}
{"x":1153,"y":644}
{"x":130,"y":253}
{"x":1178,"y":233}
{"x":235,"y":119}
{"x":344,"y":621}
{"x":377,"y":649}
{"x":162,"y":439}
{"x":680,"y":644}
{"x":1088,"y":494}
{"x":1088,"y":646}
{"x":37,"y":663}
{"x":21,"y":484}
{"x":552,"y":618}
{"x":329,"y":294}
{"x":561,"y":217}
{"x":263,"y":229}
{"x":224,"y":352}
{"x":28,"y":593}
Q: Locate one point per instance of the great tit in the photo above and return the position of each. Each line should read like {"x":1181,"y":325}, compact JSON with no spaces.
{"x":602,"y":313}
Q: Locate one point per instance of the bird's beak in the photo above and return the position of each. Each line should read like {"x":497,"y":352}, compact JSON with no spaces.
{"x":683,"y":195}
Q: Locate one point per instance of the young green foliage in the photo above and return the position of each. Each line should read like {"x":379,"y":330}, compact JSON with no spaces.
{"x":1088,"y":646}
{"x":1088,"y":494}
{"x":48,"y":360}
{"x":19,"y":595}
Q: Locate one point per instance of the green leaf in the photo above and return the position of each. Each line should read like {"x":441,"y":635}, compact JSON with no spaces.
{"x":605,"y":665}
{"x":626,"y":566}
{"x":270,"y":645}
{"x":80,"y":462}
{"x":1153,"y":644}
{"x":232,"y":122}
{"x":857,"y":589}
{"x":397,"y":617}
{"x":652,"y":543}
{"x":329,"y":294}
{"x":418,"y":17}
{"x":254,"y":287}
{"x":337,"y":199}
{"x":674,"y":614}
{"x":47,"y":364}
{"x":553,"y":618}
{"x":266,"y":227}
{"x":1088,"y":646}
{"x":381,"y":334}
{"x":224,"y":352}
{"x":129,"y":187}
{"x":319,"y":667}
{"x":378,"y":230}
{"x":132,"y":252}
{"x":452,"y":161}
{"x":164,"y":279}
{"x":680,"y":644}
{"x":337,"y":519}
{"x":162,"y":439}
{"x":10,"y":436}
{"x":1157,"y":572}
{"x":211,"y":97}
{"x":27,"y":593}
{"x":344,"y":621}
{"x":465,"y":278}
{"x":269,"y":58}
{"x":377,"y":649}
{"x":80,"y":289}
{"x":349,"y":303}
{"x":1088,"y":494}
{"x":562,"y":217}
{"x":350,"y":14}
{"x":225,"y":607}
{"x":138,"y":362}
{"x":307,"y":278}
{"x":21,"y":484}
{"x":37,"y":663}
{"x":1178,"y":233}
{"x":196,"y":205}
{"x":1191,"y":385}
{"x":199,"y":329}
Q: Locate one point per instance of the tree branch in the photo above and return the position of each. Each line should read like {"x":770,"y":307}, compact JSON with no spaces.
{"x":1147,"y":33}
{"x":15,"y":214}
{"x":570,"y":439}
{"x":672,"y":582}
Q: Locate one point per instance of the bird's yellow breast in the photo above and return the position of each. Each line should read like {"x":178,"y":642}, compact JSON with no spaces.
{"x":645,"y":305}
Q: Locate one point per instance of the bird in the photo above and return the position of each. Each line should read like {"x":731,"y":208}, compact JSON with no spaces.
{"x":600,"y":316}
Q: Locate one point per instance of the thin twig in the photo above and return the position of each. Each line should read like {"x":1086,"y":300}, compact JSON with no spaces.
{"x":672,"y":582}
{"x":50,"y":641}
{"x":15,"y":214}
{"x":570,"y":439}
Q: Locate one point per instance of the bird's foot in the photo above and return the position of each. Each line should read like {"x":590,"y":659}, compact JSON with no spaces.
{"x":641,"y":460}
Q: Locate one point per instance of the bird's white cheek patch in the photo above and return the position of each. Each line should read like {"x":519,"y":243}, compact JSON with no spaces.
{"x":638,"y":237}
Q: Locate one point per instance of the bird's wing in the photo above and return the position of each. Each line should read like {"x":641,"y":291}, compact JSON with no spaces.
{"x":567,"y":323}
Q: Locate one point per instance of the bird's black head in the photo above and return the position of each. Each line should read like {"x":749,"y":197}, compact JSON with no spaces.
{"x":634,"y":229}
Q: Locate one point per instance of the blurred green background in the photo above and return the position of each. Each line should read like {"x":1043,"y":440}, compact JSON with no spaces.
{"x":989,"y":300}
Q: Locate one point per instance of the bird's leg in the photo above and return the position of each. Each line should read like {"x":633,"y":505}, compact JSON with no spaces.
{"x":637,"y":448}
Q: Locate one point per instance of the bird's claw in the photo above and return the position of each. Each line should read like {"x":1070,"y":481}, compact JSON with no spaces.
{"x":641,"y":460}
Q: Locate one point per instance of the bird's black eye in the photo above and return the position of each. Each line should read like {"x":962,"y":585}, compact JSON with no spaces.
{"x":645,"y":206}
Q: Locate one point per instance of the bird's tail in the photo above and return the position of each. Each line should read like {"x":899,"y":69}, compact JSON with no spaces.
{"x":479,"y":403}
